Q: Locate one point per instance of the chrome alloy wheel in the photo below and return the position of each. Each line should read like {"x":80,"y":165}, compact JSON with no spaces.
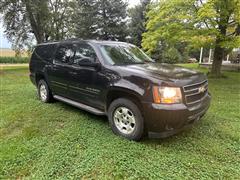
{"x":43,"y":92}
{"x":124,"y":120}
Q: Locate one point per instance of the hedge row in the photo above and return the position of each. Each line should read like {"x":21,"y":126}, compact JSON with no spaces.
{"x":14,"y":60}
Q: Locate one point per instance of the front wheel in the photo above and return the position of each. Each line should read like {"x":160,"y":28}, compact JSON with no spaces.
{"x":126,"y":119}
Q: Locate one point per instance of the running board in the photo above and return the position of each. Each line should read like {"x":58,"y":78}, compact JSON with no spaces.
{"x":79,"y":105}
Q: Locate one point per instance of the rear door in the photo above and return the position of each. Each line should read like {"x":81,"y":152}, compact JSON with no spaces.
{"x":58,"y":73}
{"x":41,"y":59}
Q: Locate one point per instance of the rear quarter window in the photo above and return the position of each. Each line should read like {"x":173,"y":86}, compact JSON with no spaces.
{"x":44,"y":52}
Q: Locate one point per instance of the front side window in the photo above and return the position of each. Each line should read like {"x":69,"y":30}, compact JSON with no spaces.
{"x":83,"y":52}
{"x":64,"y":54}
{"x":123,"y":54}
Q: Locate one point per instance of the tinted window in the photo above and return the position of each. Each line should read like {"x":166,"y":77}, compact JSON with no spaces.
{"x":45,"y":52}
{"x":83,"y":51}
{"x":64,"y":54}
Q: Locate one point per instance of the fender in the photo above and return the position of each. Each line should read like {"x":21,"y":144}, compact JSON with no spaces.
{"x":124,"y":90}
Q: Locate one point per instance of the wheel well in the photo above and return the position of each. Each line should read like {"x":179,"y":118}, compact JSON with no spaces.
{"x":116,"y":94}
{"x":38,"y":78}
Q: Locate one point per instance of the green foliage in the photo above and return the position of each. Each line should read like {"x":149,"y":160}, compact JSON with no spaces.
{"x":137,"y":22}
{"x":85,"y":13}
{"x":58,"y":141}
{"x":40,"y":20}
{"x":171,"y":53}
{"x":172,"y":56}
{"x":100,"y":19}
{"x":212,"y":23}
{"x":192,"y":22}
{"x":13,"y":60}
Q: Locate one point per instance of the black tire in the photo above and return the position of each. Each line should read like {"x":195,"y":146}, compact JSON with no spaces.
{"x":49,"y":97}
{"x":138,"y":129}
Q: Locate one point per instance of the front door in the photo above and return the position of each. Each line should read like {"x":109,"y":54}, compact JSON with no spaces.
{"x":82,"y":86}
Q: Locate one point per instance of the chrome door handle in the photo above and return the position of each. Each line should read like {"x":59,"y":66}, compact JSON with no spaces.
{"x":73,"y":73}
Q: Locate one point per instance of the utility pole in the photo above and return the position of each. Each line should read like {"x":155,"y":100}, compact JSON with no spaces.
{"x":201,"y":53}
{"x":228,"y":58}
{"x":210,"y":56}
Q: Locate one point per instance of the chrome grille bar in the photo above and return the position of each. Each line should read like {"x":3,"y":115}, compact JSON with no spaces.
{"x":193,"y":94}
{"x":196,"y":84}
{"x":199,"y":100}
{"x":186,"y":91}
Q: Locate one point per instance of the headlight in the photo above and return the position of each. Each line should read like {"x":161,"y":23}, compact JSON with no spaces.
{"x":167,"y":95}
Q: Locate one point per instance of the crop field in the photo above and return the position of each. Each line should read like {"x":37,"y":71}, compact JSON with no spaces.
{"x":10,"y":53}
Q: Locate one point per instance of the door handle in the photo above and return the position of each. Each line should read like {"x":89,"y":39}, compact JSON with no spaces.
{"x":73,"y":73}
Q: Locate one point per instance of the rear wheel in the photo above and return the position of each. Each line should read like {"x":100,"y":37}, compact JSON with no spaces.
{"x":126,"y":119}
{"x":44,"y":92}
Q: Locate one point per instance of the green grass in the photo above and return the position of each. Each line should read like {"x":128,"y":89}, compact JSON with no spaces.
{"x":43,"y":141}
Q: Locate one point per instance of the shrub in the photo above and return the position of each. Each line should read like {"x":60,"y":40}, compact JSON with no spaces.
{"x":13,"y":60}
{"x":172,"y":56}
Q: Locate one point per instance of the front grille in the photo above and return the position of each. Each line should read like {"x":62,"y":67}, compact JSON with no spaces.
{"x":194,"y":93}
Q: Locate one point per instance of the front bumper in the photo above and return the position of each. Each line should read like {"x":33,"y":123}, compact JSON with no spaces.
{"x":166,"y":120}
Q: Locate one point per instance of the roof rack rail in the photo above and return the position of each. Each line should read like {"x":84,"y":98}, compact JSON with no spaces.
{"x":71,"y":39}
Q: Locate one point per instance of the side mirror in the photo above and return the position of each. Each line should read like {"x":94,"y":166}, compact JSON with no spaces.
{"x":88,"y":62}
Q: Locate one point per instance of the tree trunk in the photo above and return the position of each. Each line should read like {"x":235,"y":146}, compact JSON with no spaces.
{"x":217,"y":61}
{"x":36,"y":18}
{"x":219,"y":51}
{"x":39,"y":35}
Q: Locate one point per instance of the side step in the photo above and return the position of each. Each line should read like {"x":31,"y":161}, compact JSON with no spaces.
{"x":79,"y":105}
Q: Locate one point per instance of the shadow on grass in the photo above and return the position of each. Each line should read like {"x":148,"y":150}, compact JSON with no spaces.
{"x":175,"y":139}
{"x":71,"y":108}
{"x":145,"y":140}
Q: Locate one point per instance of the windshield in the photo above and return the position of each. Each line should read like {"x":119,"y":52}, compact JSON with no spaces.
{"x":123,"y":54}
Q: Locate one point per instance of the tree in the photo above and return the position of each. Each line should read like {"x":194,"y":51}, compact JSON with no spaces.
{"x":166,"y":52}
{"x":137,"y":22}
{"x":45,"y":19}
{"x":101,"y":19}
{"x":60,"y":19}
{"x":85,"y":17}
{"x":212,"y":23}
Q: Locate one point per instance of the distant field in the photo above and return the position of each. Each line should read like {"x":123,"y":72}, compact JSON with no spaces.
{"x":10,"y":53}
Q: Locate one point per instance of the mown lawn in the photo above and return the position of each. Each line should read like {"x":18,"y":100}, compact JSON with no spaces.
{"x":43,"y":141}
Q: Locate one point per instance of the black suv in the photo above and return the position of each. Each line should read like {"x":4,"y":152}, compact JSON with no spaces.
{"x":119,"y":80}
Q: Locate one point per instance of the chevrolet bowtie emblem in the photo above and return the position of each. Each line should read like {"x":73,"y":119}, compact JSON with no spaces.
{"x":202,"y":89}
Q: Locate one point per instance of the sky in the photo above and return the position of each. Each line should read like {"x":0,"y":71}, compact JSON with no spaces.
{"x":3,"y":40}
{"x":4,"y":43}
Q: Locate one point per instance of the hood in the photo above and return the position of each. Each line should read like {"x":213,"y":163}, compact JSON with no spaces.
{"x":168,"y":71}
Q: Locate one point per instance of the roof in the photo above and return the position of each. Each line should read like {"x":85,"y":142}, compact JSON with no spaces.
{"x":81,"y":40}
{"x":106,"y":42}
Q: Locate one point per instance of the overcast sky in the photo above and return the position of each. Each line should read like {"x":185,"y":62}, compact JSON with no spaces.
{"x":5,"y":44}
{"x":3,"y":41}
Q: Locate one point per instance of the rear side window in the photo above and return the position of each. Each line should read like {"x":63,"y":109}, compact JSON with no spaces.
{"x":45,"y":52}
